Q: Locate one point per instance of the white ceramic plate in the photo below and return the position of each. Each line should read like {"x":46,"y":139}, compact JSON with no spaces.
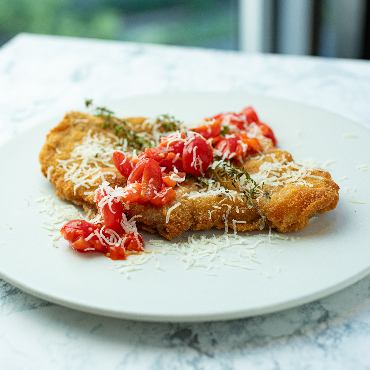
{"x":331,"y":253}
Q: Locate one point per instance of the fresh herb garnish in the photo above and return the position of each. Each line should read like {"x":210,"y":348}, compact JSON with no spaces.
{"x":103,"y":112}
{"x":167,"y":123}
{"x":88,"y":103}
{"x":120,"y":127}
{"x":225,"y":130}
{"x":238,"y":179}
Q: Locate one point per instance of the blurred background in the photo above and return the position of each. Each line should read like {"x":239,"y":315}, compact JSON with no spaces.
{"x":332,"y":28}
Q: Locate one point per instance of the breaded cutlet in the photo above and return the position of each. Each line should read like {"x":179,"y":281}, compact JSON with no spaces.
{"x":76,"y":158}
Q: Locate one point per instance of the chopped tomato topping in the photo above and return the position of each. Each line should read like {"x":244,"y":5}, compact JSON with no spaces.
{"x":111,"y":211}
{"x":169,"y":182}
{"x":235,"y":119}
{"x":132,"y":193}
{"x":254,"y":145}
{"x":166,"y":195}
{"x":134,"y":242}
{"x":267,"y":132}
{"x":242,"y":120}
{"x":81,"y":236}
{"x":209,"y":130}
{"x":173,"y":143}
{"x":151,"y":181}
{"x":137,"y":172}
{"x":250,"y":115}
{"x":116,"y":252}
{"x":122,"y":163}
{"x":196,"y":156}
{"x":227,"y":147}
{"x":168,"y":152}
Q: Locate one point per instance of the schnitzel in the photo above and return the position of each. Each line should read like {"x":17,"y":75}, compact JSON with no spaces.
{"x":240,"y":192}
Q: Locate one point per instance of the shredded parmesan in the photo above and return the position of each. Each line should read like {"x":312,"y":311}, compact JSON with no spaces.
{"x":169,"y":210}
{"x":281,"y":172}
{"x":84,"y":165}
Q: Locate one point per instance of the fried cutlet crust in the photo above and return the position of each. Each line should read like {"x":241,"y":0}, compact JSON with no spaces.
{"x":287,"y":208}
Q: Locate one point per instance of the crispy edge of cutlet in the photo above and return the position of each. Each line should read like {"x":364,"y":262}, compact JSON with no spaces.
{"x":60,"y":142}
{"x":290,"y":206}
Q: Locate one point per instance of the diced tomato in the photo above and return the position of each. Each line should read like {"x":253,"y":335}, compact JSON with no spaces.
{"x":197,"y":156}
{"x":238,"y":120}
{"x":151,"y":181}
{"x":254,"y":145}
{"x":132,"y":193}
{"x":230,"y":118}
{"x":169,"y":182}
{"x":116,"y":252}
{"x":250,"y":115}
{"x":153,"y":153}
{"x":238,"y":147}
{"x":173,"y":143}
{"x":166,"y":195}
{"x":267,"y":132}
{"x":167,"y":157}
{"x":122,"y":163}
{"x":171,"y":161}
{"x":227,"y":147}
{"x":111,"y":212}
{"x":209,"y":130}
{"x":134,"y":242}
{"x":137,"y":172}
{"x":77,"y":231}
{"x":216,"y":140}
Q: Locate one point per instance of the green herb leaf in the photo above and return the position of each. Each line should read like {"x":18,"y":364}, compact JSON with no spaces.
{"x":88,"y":103}
{"x":236,"y":178}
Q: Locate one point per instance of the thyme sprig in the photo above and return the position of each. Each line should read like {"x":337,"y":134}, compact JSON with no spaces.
{"x":120,"y":127}
{"x":238,"y":179}
{"x":167,"y":123}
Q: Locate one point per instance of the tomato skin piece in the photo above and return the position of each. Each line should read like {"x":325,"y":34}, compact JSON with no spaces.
{"x":254,"y":145}
{"x":77,"y":231}
{"x":173,"y":143}
{"x":116,"y":252}
{"x":209,"y":130}
{"x":228,"y":147}
{"x":168,"y":153}
{"x":250,"y":115}
{"x":166,"y":195}
{"x":137,"y":172}
{"x":112,"y":214}
{"x":267,"y":132}
{"x":122,"y":163}
{"x":134,"y":242}
{"x":132,"y":193}
{"x":151,"y":181}
{"x":167,"y":181}
{"x":196,"y":156}
{"x":154,"y":153}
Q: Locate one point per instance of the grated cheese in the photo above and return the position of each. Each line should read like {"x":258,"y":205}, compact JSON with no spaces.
{"x":281,"y":172}
{"x":169,"y":210}
{"x":83,"y":167}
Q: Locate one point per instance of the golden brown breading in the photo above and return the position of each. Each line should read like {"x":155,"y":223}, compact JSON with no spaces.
{"x":290,"y":206}
{"x":287,"y":208}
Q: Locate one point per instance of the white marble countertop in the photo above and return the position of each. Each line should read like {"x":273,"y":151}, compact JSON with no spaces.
{"x":48,"y":75}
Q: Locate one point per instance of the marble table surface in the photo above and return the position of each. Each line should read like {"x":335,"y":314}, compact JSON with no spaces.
{"x":41,"y":77}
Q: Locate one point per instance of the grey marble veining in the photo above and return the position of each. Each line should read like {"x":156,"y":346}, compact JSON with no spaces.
{"x":41,"y":77}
